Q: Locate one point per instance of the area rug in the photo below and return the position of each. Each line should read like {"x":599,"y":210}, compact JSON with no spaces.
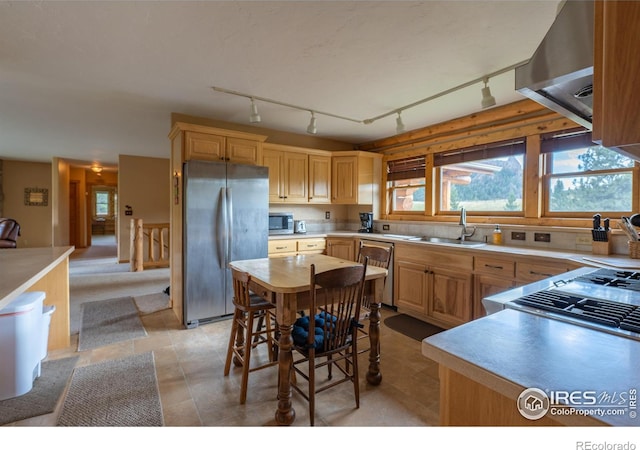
{"x":116,"y":393}
{"x":44,"y":396}
{"x":411,"y":327}
{"x":108,"y":322}
{"x":150,"y":303}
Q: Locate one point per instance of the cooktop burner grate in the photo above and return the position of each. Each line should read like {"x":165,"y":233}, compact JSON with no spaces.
{"x":603,"y":312}
{"x":613,"y":278}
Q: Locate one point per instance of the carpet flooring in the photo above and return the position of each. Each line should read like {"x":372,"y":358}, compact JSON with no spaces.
{"x":116,"y":393}
{"x":108,"y":322}
{"x":411,"y":327}
{"x":44,"y":396}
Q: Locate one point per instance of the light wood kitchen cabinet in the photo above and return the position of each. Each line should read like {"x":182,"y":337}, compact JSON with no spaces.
{"x":492,"y":276}
{"x":435,"y":286}
{"x":616,"y":119}
{"x":282,"y":247}
{"x":344,"y":248}
{"x":319,"y":178}
{"x":528,"y":272}
{"x":212,"y":144}
{"x":355,"y":178}
{"x":290,"y":247}
{"x":288,"y":175}
{"x":310,"y":246}
{"x":486,"y":285}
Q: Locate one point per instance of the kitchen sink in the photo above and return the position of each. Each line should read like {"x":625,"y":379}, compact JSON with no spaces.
{"x":438,"y":240}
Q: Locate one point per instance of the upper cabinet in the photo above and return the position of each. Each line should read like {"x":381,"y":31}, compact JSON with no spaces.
{"x":215,"y":144}
{"x":616,"y":101}
{"x":355,"y":177}
{"x":297,"y":175}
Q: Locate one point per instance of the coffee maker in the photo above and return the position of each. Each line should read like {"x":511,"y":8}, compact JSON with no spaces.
{"x":366,"y":223}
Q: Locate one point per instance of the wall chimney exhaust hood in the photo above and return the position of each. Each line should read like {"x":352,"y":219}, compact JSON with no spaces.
{"x":559,"y":75}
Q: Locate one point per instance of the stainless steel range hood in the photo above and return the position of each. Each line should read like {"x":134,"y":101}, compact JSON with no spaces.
{"x":560,"y":73}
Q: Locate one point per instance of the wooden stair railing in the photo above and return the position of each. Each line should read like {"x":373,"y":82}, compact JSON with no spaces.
{"x":149,"y":247}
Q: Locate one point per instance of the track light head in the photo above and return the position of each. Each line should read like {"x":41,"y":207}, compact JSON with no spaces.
{"x":254,"y":117}
{"x":312,"y":128}
{"x":399,"y":124}
{"x":488,"y":100}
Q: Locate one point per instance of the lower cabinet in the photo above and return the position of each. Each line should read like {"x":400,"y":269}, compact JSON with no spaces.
{"x":486,"y":285}
{"x":441,"y":293}
{"x":290,"y":247}
{"x":344,"y":248}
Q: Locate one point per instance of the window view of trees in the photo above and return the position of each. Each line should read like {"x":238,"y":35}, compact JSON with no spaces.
{"x":486,"y":185}
{"x":102,"y":203}
{"x":590,"y":179}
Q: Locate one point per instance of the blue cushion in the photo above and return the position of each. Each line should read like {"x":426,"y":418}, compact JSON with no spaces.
{"x":300,"y":330}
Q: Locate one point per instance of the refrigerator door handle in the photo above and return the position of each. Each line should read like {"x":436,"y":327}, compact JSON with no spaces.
{"x":222,"y":226}
{"x":229,"y":203}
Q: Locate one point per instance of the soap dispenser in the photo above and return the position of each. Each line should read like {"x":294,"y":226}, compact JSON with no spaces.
{"x":497,"y":235}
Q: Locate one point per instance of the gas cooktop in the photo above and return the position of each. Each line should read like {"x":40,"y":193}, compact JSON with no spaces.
{"x":603,"y":299}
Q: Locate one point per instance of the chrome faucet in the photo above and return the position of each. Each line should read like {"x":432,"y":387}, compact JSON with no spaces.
{"x":463,"y":222}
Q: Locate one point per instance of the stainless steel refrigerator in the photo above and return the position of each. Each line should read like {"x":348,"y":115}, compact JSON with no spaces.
{"x":225,"y":218}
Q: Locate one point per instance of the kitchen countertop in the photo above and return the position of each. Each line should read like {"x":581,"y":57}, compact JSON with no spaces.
{"x":511,"y":351}
{"x":579,"y":258}
{"x":23,"y":267}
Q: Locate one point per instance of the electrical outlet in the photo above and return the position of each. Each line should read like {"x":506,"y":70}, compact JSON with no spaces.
{"x":542,"y":237}
{"x":583,"y":240}
{"x":327,"y":215}
{"x":518,"y":236}
{"x":385,"y":227}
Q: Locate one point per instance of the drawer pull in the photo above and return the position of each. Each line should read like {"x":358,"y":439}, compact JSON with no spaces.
{"x":311,"y":246}
{"x":493,"y":267}
{"x":531,"y":272}
{"x":281,"y":248}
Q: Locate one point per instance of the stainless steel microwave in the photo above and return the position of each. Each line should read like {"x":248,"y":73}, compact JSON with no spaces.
{"x":280,"y":223}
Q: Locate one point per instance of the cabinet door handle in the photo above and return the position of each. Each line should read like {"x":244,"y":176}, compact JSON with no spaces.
{"x":493,"y":267}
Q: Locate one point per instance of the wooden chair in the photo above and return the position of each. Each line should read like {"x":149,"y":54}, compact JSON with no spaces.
{"x":379,"y":257}
{"x":252,"y":325}
{"x":327,"y":336}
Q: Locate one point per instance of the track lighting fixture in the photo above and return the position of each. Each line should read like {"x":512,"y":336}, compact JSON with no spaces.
{"x":254,"y":117}
{"x":487,"y":99}
{"x":399,"y":124}
{"x":312,"y":129}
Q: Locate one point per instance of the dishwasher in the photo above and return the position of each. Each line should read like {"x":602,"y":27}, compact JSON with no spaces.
{"x":387,"y":295}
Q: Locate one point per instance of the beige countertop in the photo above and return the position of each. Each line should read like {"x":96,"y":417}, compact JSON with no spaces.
{"x":21,"y":268}
{"x":511,"y":351}
{"x":579,"y":258}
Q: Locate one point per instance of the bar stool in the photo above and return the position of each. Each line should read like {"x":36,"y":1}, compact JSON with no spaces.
{"x":244,"y":335}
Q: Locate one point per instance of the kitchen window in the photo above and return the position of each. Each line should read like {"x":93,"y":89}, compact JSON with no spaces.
{"x":487,"y":178}
{"x":582,"y":177}
{"x":406,"y":185}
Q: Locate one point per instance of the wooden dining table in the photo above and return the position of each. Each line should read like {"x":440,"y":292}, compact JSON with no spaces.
{"x":285,"y":281}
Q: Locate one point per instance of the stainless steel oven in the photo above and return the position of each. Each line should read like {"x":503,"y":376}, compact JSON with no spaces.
{"x":280,"y":223}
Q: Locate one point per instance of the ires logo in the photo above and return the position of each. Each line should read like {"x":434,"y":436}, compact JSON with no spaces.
{"x":534,"y":403}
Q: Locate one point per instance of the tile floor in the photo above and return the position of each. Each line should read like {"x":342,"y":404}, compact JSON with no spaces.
{"x":194,"y":391}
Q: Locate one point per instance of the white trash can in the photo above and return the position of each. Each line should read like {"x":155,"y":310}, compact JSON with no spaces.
{"x":20,"y":344}
{"x":47,"y":312}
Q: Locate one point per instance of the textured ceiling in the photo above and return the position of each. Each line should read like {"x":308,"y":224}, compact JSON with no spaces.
{"x":88,"y":80}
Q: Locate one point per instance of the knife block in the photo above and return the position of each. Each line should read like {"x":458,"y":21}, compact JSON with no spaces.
{"x":602,"y":248}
